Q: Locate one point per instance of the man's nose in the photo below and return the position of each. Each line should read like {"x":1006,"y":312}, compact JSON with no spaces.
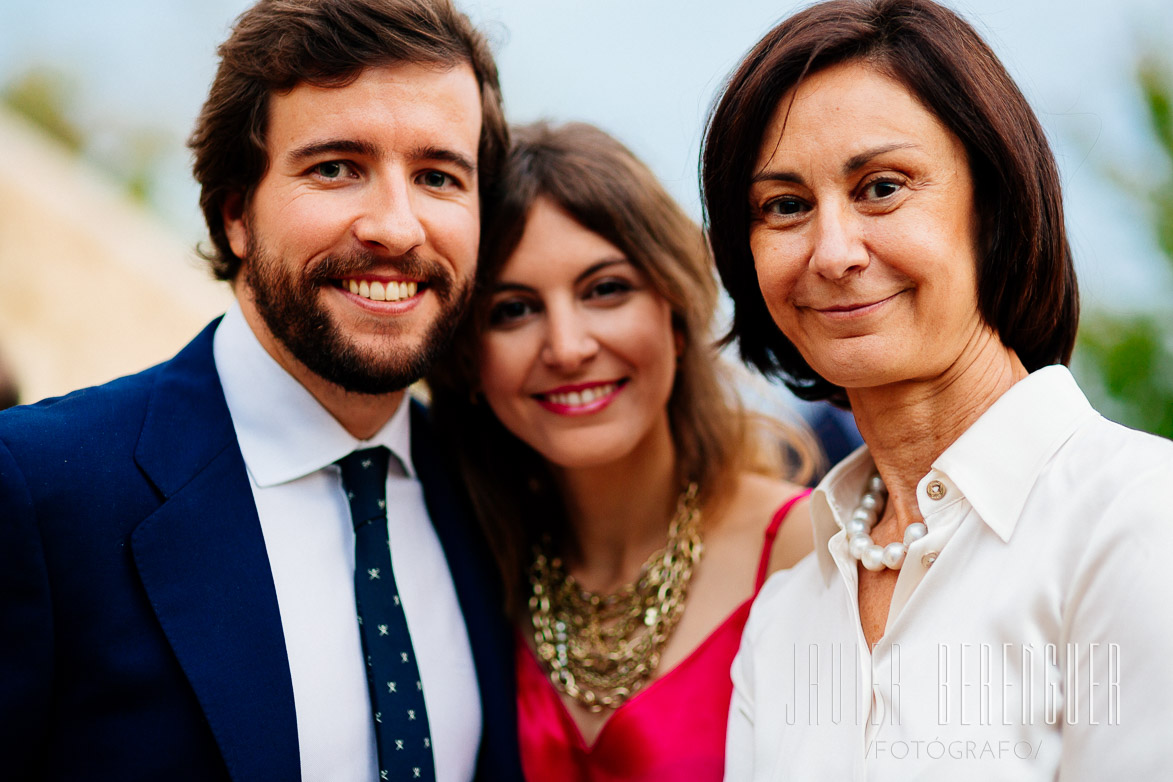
{"x":390,"y":216}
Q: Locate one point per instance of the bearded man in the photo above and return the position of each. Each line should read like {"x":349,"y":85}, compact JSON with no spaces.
{"x":194,"y":571}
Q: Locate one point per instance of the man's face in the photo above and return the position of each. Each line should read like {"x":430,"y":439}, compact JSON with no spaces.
{"x":360,"y":241}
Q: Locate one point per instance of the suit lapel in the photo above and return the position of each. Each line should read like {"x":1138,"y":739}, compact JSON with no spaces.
{"x":481,"y":604}
{"x":202,"y":560}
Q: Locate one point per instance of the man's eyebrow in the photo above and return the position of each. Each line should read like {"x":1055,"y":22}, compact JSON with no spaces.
{"x":446,"y":155}
{"x":338,"y":146}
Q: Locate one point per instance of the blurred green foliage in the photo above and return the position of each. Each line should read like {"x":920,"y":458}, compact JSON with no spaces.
{"x":42,"y":96}
{"x":1128,"y":357}
{"x":46,"y":97}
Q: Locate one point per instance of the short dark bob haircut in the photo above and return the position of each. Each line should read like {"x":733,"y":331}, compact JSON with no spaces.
{"x":1026,"y":279}
{"x":279,"y":44}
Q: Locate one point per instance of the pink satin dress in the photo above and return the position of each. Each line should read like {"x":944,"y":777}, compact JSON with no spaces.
{"x":672,"y":730}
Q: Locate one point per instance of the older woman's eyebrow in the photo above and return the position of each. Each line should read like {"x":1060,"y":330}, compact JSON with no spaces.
{"x":853,"y":164}
{"x":857,"y":161}
{"x":776,"y":176}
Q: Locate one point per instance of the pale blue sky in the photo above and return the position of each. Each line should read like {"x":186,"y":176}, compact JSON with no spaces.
{"x":646,"y":70}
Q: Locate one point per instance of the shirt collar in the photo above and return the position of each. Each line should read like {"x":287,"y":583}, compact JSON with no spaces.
{"x":994,"y":464}
{"x":284,"y":433}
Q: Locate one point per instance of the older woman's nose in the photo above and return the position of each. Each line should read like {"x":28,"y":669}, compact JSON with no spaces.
{"x":568,"y":342}
{"x":839,"y":247}
{"x":389,"y":219}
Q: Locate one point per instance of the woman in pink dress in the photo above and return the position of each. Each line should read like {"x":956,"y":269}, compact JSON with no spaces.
{"x":634,"y":508}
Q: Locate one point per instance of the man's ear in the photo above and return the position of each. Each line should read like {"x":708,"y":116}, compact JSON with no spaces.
{"x":233,"y":213}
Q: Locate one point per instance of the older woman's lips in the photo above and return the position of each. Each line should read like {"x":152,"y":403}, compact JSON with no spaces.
{"x":858,"y":310}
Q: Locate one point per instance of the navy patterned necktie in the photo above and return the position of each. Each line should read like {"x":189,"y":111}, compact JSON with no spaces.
{"x":397,"y":691}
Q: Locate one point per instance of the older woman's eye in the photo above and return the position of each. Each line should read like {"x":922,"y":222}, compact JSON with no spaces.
{"x":882,"y":188}
{"x":786,"y":206}
{"x":504,"y":313}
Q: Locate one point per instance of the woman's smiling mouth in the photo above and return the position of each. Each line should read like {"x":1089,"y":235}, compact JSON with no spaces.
{"x":580,"y":399}
{"x":853,"y":310}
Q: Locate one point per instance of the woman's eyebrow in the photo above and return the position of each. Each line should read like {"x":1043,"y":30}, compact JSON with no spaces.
{"x":767,"y":175}
{"x":603,"y":264}
{"x":507,"y":285}
{"x":852,"y":164}
{"x":856,"y":161}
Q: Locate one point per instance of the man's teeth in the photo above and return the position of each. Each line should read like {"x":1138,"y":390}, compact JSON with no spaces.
{"x":584,"y":397}
{"x":378,"y":291}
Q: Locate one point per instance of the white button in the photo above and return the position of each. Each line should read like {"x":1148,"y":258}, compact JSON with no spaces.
{"x":928,"y":559}
{"x":936,"y":490}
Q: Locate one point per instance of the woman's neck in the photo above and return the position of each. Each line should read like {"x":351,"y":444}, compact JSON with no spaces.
{"x":908,"y":425}
{"x":619,"y":512}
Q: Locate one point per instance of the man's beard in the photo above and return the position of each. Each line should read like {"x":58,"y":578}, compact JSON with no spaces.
{"x":290,"y":307}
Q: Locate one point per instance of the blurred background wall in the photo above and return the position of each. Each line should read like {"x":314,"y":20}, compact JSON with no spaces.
{"x":98,"y":214}
{"x":92,"y":284}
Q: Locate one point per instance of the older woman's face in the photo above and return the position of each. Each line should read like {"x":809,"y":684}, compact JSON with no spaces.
{"x":863,"y":230}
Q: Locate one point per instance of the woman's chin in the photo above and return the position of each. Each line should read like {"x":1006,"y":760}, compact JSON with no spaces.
{"x":581,"y":458}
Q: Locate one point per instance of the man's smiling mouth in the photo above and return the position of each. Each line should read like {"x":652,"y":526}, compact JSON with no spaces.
{"x":380,"y":290}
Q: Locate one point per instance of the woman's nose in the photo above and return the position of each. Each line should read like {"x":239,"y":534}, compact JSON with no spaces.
{"x":389,"y":218}
{"x":839,"y":247}
{"x":568,"y":342}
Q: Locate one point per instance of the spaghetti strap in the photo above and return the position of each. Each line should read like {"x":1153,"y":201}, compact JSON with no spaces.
{"x":771,"y":533}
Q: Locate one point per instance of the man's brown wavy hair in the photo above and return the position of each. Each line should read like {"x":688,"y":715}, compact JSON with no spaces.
{"x":279,"y":44}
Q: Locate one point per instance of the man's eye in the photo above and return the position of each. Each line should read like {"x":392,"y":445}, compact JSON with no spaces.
{"x":332,"y":169}
{"x":436,"y":179}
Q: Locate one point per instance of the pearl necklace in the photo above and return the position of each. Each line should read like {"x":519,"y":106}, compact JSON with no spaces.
{"x":859,"y":528}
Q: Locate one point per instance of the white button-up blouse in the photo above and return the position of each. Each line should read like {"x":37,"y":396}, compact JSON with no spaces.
{"x":1030,"y":635}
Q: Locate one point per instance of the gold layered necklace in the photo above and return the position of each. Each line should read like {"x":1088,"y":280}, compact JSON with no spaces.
{"x":601,"y":649}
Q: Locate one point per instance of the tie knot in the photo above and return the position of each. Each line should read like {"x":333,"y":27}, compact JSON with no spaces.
{"x":364,"y":477}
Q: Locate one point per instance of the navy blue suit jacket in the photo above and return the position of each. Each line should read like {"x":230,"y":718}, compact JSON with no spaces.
{"x":139,"y":630}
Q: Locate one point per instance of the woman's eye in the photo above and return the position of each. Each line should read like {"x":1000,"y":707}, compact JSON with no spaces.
{"x":509,"y":311}
{"x":881,"y":188}
{"x":332,"y":169}
{"x":785,"y":206}
{"x":436,"y":179}
{"x":609,"y":287}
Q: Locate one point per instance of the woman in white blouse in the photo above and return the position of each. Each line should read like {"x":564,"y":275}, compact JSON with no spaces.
{"x":987,"y":599}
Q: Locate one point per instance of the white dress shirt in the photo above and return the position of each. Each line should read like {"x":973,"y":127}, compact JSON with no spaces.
{"x":290,"y":444}
{"x":1030,"y":634}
